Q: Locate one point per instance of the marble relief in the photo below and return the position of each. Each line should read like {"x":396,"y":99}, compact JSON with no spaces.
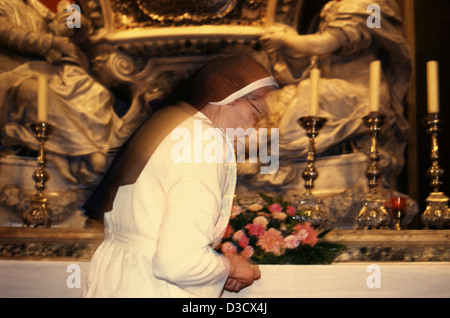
{"x":131,"y":54}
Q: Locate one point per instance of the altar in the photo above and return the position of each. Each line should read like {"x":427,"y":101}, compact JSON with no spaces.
{"x":53,"y":263}
{"x":48,"y":279}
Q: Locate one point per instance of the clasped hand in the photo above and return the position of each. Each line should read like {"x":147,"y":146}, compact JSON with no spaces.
{"x":242,"y":273}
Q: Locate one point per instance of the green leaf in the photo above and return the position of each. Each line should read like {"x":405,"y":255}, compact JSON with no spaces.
{"x":323,"y":233}
{"x":279,"y":199}
{"x":266,"y":198}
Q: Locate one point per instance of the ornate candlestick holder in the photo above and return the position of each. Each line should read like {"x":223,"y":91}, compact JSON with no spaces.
{"x":373,"y":213}
{"x":309,"y":203}
{"x":39,"y":214}
{"x":437,"y":212}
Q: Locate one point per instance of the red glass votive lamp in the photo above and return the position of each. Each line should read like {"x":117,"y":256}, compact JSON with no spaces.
{"x":398,"y":208}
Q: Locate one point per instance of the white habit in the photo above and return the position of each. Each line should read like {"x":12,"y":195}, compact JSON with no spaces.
{"x":161,"y":232}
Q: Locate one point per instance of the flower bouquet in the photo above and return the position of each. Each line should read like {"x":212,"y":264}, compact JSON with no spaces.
{"x":276,"y":233}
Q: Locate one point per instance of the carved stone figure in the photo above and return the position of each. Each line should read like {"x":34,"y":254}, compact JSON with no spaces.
{"x":35,"y":41}
{"x":342,"y":44}
{"x":90,"y":123}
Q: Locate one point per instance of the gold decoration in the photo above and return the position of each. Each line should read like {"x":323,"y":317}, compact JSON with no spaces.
{"x":373,"y":214}
{"x":39,"y":214}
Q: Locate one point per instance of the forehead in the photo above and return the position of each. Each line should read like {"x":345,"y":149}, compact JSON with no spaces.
{"x":261,"y":92}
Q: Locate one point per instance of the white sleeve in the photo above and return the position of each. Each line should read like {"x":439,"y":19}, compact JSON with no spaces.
{"x":184,"y":255}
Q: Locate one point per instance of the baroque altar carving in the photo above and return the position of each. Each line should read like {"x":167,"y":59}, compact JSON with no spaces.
{"x":138,"y":51}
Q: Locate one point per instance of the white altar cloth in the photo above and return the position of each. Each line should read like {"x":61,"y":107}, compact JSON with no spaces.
{"x":50,"y":279}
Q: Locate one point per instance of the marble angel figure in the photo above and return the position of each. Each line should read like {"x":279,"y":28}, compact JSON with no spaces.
{"x":37,"y":41}
{"x":342,"y":45}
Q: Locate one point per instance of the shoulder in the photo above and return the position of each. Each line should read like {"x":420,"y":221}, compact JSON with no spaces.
{"x":197,"y":141}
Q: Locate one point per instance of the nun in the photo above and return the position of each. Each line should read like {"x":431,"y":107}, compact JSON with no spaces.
{"x":163,"y":217}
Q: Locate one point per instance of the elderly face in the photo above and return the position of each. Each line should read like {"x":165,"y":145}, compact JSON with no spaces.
{"x":250,"y":111}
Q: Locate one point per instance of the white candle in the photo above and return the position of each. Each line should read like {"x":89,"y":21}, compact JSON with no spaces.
{"x":314,"y":98}
{"x":42,"y":99}
{"x":433,"y":87}
{"x":374,"y":99}
{"x":270,"y":15}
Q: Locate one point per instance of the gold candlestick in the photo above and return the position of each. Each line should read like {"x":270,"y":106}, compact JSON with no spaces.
{"x":437,"y":212}
{"x":373,"y":213}
{"x":39,"y":214}
{"x":309,"y":203}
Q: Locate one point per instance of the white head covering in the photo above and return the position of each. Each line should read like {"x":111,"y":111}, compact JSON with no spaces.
{"x":263,"y":82}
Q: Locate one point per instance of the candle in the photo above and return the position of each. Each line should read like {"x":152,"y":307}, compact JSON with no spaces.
{"x":270,"y":15}
{"x":433,"y":87}
{"x":314,"y":98}
{"x":42,"y":99}
{"x":374,"y":100}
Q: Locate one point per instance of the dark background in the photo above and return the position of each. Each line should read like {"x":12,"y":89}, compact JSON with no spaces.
{"x":432,"y":42}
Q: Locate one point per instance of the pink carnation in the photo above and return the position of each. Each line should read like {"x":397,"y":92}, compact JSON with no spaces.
{"x":280,"y":216}
{"x":291,"y":242}
{"x":248,"y":251}
{"x":228,"y":248}
{"x":255,"y":229}
{"x":272,"y":242}
{"x":243,"y":241}
{"x":241,"y":238}
{"x":255,"y":207}
{"x":275,"y":207}
{"x":235,"y":210}
{"x":237,"y":236}
{"x":291,"y":210}
{"x":267,"y":215}
{"x":261,"y":220}
{"x":306,"y":234}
